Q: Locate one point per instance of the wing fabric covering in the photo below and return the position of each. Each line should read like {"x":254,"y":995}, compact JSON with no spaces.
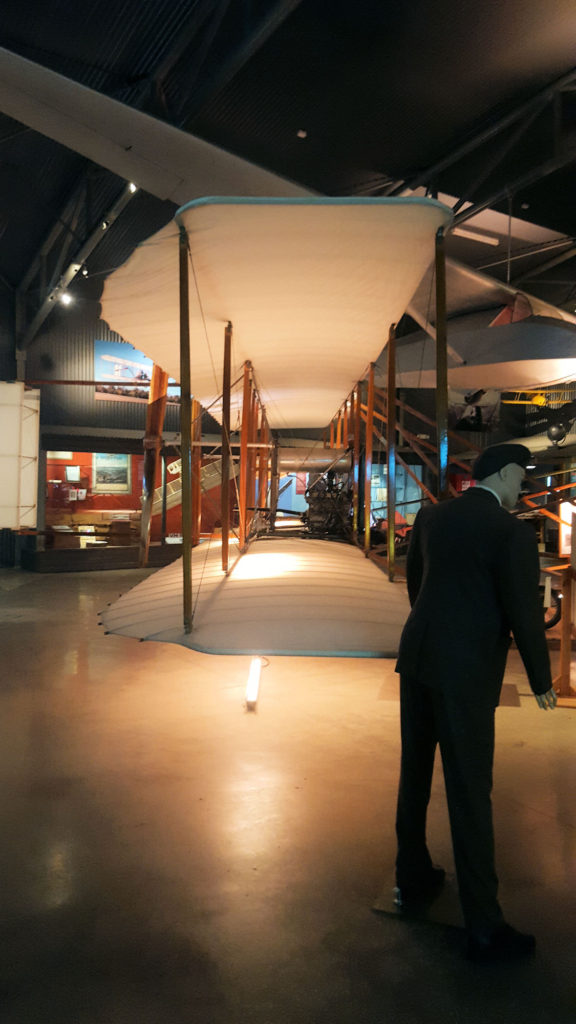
{"x":287,"y":596}
{"x":311,"y":288}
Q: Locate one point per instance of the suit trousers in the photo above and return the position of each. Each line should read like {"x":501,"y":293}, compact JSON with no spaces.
{"x":463,"y":727}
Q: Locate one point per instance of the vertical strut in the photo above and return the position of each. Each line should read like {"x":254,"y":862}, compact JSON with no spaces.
{"x":263,"y":459}
{"x":196,"y":472}
{"x":225,"y":463}
{"x":155,"y":413}
{"x":185,"y":431}
{"x":441,"y":368}
{"x":391,"y":453}
{"x":356,"y":458}
{"x":244,"y":461}
{"x":368,"y":462}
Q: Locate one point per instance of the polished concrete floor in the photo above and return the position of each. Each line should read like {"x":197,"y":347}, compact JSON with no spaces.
{"x":169,"y":858}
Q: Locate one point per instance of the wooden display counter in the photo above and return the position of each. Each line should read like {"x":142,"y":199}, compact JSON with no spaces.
{"x":96,"y":558}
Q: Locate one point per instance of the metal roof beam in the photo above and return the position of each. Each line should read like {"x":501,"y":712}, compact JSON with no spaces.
{"x":235,"y":62}
{"x":499,"y":155}
{"x":524,"y":181}
{"x":75,"y":267}
{"x":541,"y":99}
{"x":554,"y":262}
{"x":77,"y":198}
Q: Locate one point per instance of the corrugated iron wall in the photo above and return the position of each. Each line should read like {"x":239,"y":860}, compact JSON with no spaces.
{"x":66,"y":352}
{"x":7,"y":362}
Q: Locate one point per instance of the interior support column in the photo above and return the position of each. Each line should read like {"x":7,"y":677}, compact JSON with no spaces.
{"x":155,"y":413}
{"x":196,"y":472}
{"x":391,"y":453}
{"x":368,"y":460}
{"x":441,"y":369}
{"x":185,"y":432}
{"x":225,"y":463}
{"x":41,"y":501}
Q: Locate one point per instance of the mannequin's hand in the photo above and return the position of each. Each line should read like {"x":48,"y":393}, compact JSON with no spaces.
{"x":546,"y":700}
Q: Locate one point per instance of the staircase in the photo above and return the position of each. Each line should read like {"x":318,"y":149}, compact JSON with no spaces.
{"x":210,"y":476}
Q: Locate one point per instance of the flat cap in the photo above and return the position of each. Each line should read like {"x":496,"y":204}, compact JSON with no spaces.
{"x":499,"y":455}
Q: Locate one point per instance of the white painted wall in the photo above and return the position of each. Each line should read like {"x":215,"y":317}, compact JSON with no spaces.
{"x":19,"y":434}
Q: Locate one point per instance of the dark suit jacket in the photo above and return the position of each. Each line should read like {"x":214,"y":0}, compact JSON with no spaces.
{"x":473,"y":575}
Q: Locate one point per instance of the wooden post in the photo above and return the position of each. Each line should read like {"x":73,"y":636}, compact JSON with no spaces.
{"x":368,"y":459}
{"x":345,"y":427}
{"x":196,"y":472}
{"x":152,"y":443}
{"x":274,"y":485}
{"x":441,"y":368}
{"x":225,"y":462}
{"x":252,"y":457}
{"x":244,"y":466}
{"x":356,"y":458}
{"x":263,"y":462}
{"x":391,"y":453}
{"x":185,"y":432}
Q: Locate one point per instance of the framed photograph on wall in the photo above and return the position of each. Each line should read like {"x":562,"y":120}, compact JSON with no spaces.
{"x":124,"y":374}
{"x":111,"y":474}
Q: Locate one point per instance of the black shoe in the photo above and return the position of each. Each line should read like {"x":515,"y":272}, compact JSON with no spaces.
{"x":505,"y":943}
{"x":421,"y":890}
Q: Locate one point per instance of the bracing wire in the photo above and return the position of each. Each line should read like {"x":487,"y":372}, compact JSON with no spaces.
{"x":200,"y":581}
{"x":202,"y":314}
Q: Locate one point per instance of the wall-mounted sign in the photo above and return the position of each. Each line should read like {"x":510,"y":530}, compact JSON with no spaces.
{"x":111,"y":474}
{"x":124,"y":374}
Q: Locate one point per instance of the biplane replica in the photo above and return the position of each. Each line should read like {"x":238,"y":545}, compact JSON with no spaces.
{"x":269,"y":312}
{"x":272,"y":314}
{"x":275,"y":311}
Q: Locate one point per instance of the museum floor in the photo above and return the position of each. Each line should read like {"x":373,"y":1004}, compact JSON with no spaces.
{"x":168,"y":858}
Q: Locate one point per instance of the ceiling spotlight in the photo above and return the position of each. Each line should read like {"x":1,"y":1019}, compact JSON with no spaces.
{"x":65,"y":299}
{"x":84,"y":271}
{"x":302,"y":134}
{"x":557,"y":431}
{"x":132,"y":187}
{"x":104,"y":225}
